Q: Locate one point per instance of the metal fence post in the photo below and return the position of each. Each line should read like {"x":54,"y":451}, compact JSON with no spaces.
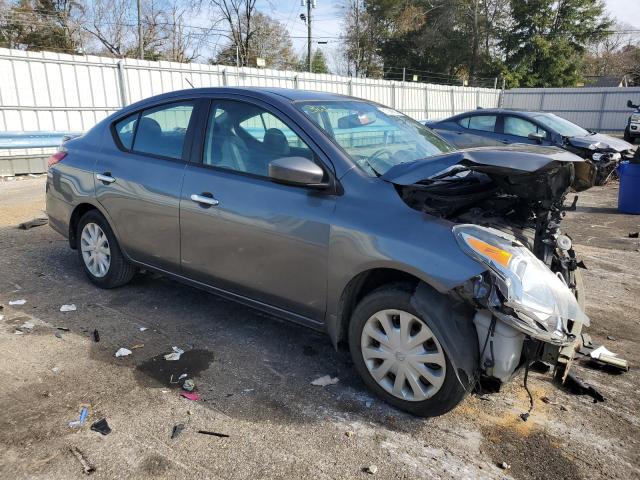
{"x":350,"y":88}
{"x":453,"y":102}
{"x":122,"y":84}
{"x":426,"y":102}
{"x":603,"y":102}
{"x":224,"y":77}
{"x":393,"y":95}
{"x":477,"y":98}
{"x":541,"y":106}
{"x":295,"y":82}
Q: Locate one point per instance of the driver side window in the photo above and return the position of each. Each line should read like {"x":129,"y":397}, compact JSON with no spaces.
{"x":246,"y":138}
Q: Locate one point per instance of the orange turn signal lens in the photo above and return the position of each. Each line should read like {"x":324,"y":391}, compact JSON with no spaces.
{"x":496,"y":254}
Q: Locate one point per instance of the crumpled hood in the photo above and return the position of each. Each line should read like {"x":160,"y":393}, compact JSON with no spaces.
{"x":600,"y":142}
{"x":515,"y":157}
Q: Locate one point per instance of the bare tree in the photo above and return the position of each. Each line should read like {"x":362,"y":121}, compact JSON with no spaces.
{"x":238,"y":14}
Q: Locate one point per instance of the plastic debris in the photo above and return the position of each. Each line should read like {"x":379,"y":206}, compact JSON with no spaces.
{"x":101,"y":426}
{"x":579,"y":387}
{"x":26,"y":327}
{"x":213,"y":434}
{"x":1,"y":317}
{"x":190,"y":396}
{"x":175,"y":355}
{"x":68,"y":308}
{"x":189,"y":385}
{"x":22,"y":301}
{"x":63,"y":329}
{"x":142,"y":329}
{"x":86,"y":466}
{"x":325,"y":380}
{"x":349,"y":433}
{"x":177,"y":430}
{"x":184,"y":375}
{"x":371,"y":469}
{"x":505,"y":466}
{"x":96,"y":335}
{"x":84,"y":413}
{"x":36,"y":222}
{"x":137,"y":345}
{"x":601,"y":350}
{"x":55,"y":369}
{"x":123,"y":352}
{"x":634,"y":234}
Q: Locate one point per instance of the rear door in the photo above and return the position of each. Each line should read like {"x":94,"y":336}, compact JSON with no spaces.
{"x":477,"y":130}
{"x":139,"y":177}
{"x":245,"y":234}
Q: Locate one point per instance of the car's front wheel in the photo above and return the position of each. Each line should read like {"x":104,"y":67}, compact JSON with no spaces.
{"x":399,"y":356}
{"x":100,"y":253}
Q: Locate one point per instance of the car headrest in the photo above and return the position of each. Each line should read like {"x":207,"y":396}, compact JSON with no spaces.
{"x":276,"y":141}
{"x":149,"y":127}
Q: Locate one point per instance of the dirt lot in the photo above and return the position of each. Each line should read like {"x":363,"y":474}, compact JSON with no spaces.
{"x":254,"y":372}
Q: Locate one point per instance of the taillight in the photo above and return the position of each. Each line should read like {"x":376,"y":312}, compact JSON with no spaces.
{"x":56,"y":157}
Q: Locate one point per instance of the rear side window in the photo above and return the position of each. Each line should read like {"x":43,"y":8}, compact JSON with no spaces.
{"x":486,"y":123}
{"x":125,"y":129}
{"x":157,"y":131}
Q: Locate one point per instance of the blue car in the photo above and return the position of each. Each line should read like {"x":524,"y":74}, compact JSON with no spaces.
{"x":491,"y":127}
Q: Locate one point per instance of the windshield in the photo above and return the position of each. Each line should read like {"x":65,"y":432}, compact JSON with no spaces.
{"x":376,"y":138}
{"x":560,"y":125}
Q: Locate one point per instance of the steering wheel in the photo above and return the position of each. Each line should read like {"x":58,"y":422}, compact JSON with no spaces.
{"x":376,"y":157}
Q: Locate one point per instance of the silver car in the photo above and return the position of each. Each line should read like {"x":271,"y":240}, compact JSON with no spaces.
{"x":436,"y":267}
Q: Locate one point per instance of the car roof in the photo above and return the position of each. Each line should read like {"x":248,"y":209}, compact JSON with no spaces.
{"x":290,"y":94}
{"x":521,"y":113}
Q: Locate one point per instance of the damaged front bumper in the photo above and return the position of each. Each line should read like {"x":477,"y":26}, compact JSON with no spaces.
{"x":518,"y":299}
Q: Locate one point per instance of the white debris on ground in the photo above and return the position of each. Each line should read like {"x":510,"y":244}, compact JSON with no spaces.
{"x":325,"y":380}
{"x":68,"y":308}
{"x":22,"y":301}
{"x":175,"y":355}
{"x":123,"y":352}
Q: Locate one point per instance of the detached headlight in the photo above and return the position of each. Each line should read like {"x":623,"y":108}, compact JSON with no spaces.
{"x":529,"y":287}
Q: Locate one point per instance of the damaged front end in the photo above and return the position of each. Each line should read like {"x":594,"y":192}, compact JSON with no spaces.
{"x":506,"y":206}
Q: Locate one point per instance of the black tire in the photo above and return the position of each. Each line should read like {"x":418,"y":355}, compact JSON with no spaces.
{"x":627,"y":136}
{"x":397,"y":296}
{"x":120,"y":271}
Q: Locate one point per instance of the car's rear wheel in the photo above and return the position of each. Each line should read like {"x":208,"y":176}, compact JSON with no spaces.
{"x":399,"y":356}
{"x":100,"y":253}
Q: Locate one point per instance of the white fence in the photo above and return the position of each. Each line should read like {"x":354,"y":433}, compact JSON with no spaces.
{"x":48,"y":91}
{"x":600,"y":109}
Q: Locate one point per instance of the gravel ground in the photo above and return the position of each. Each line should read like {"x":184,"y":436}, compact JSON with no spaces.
{"x":253,"y":373}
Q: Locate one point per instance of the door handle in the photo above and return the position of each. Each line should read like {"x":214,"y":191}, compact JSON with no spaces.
{"x":105,"y":177}
{"x":204,"y":199}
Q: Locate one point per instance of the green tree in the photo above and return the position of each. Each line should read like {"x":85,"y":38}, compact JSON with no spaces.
{"x":318,"y":62}
{"x":545,"y":42}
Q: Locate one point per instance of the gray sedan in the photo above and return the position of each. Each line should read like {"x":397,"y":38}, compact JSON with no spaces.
{"x":339,"y":214}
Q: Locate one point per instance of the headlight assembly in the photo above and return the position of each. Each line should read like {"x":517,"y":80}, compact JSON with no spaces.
{"x":542,"y":301}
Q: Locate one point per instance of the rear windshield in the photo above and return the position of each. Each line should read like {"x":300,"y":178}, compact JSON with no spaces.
{"x":376,"y":138}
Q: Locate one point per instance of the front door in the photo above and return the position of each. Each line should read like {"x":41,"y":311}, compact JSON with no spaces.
{"x":138,"y":182}
{"x":245,"y":234}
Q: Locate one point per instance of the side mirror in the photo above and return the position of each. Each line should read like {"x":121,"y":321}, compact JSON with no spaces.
{"x":537,"y":136}
{"x":297,"y":171}
{"x":630,"y":104}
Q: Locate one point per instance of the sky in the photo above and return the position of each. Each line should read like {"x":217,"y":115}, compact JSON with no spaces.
{"x":327,"y":21}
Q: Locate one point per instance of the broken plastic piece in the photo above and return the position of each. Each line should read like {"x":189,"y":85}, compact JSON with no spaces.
{"x":142,"y":329}
{"x":634,"y":234}
{"x":68,"y":308}
{"x":96,"y":335}
{"x":86,"y":466}
{"x":123,"y":352}
{"x":26,"y":327}
{"x":601,"y":350}
{"x":189,"y":385}
{"x":84,"y":413}
{"x":325,"y":380}
{"x":190,"y":396}
{"x":177,"y":430}
{"x":36,"y":222}
{"x":177,"y":352}
{"x":214,"y":434}
{"x":101,"y":426}
{"x":22,"y":301}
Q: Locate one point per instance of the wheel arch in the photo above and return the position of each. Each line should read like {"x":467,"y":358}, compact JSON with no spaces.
{"x":77,"y":213}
